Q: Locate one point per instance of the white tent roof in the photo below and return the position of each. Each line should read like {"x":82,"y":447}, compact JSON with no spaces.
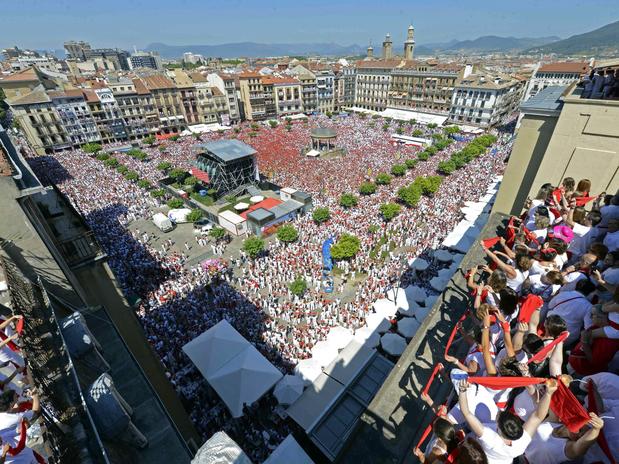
{"x":377,"y":322}
{"x":393,"y":344}
{"x":232,"y":366}
{"x":288,"y":452}
{"x":422,"y":118}
{"x":419,"y":264}
{"x":289,"y":389}
{"x":385,"y":307}
{"x":368,"y":337}
{"x":413,"y":309}
{"x":324,"y":352}
{"x":443,"y":256}
{"x":220,"y":449}
{"x":408,"y":326}
{"x":232,"y":217}
{"x":308,"y":370}
{"x":313,"y":153}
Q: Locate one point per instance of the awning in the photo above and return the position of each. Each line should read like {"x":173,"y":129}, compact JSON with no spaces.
{"x":200,"y":175}
{"x":165,"y":136}
{"x":422,"y":118}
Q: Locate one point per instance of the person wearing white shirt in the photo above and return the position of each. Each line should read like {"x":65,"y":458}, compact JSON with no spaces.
{"x":573,"y":307}
{"x":577,"y":272}
{"x":512,"y":437}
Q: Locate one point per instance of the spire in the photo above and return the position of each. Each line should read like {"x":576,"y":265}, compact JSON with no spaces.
{"x":409,"y":43}
{"x":387,"y":47}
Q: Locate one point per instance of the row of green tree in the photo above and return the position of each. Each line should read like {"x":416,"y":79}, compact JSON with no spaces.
{"x":472,"y":150}
{"x":422,"y":185}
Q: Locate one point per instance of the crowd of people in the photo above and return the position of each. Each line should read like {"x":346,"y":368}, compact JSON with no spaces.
{"x":601,"y":84}
{"x":539,"y":380}
{"x":20,"y":408}
{"x":179,"y":302}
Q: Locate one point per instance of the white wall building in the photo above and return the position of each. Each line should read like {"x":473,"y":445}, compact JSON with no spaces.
{"x":555,"y":74}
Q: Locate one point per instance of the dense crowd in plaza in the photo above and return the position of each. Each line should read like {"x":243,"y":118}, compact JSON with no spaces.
{"x":539,"y":381}
{"x":180,"y":302}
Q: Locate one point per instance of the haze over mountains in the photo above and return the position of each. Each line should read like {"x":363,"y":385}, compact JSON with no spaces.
{"x":603,"y":39}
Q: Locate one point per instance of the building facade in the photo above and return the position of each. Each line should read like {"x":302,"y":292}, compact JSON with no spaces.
{"x":485,"y":99}
{"x":555,"y":74}
{"x":145,"y":60}
{"x":253,"y":96}
{"x":372,"y":83}
{"x":167,"y":102}
{"x":325,"y":91}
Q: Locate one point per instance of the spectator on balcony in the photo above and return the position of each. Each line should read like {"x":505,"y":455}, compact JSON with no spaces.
{"x":609,"y":84}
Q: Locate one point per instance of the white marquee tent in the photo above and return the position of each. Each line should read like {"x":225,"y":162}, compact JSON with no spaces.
{"x":220,"y":449}
{"x":232,"y":366}
{"x":289,"y":452}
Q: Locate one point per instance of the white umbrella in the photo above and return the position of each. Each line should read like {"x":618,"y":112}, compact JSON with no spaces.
{"x":368,"y":336}
{"x":443,"y":256}
{"x":438,"y":283}
{"x":378,"y":322}
{"x":339,"y":337}
{"x":415,"y":293}
{"x":393,"y":344}
{"x":420,"y":264}
{"x":241,"y":206}
{"x":324,"y":352}
{"x":308,"y":370}
{"x":408,"y":326}
{"x":412,"y":310}
{"x":256,"y":199}
{"x":385,"y":307}
{"x":289,"y":389}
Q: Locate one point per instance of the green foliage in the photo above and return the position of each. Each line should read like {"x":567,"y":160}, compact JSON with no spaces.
{"x":429,"y":184}
{"x":441,"y":144}
{"x":432,"y":125}
{"x":237,"y":130}
{"x":122,"y":169}
{"x":191,"y":180}
{"x":162,"y":148}
{"x":390,"y":210}
{"x":329,"y":114}
{"x":410,"y":163}
{"x":385,"y":126}
{"x":175,"y":203}
{"x":91,"y":147}
{"x":230,"y":199}
{"x":371,"y":125}
{"x":132,"y":176}
{"x":437,"y":137}
{"x":217,"y":233}
{"x":195,"y":215}
{"x":431,"y":150}
{"x":143,"y":183}
{"x":298,"y":286}
{"x":253,"y":246}
{"x":159,"y":193}
{"x":174,"y":138}
{"x":346,"y":247}
{"x":423,"y":156}
{"x":412,"y":122}
{"x":149,"y":140}
{"x":373,"y":229}
{"x":446,"y":167}
{"x":362,"y":115}
{"x":164,"y":166}
{"x":178,"y":174}
{"x":287,"y":233}
{"x":273,"y":124}
{"x":367,"y":188}
{"x":137,"y":154}
{"x":383,"y":178}
{"x":410,"y":195}
{"x":254,"y":126}
{"x":103,"y":156}
{"x":375,"y":116}
{"x":451,"y":130}
{"x":417,"y":133}
{"x":399,"y":131}
{"x":348,"y":200}
{"x":321,"y":214}
{"x":253,"y":134}
{"x":398,"y":169}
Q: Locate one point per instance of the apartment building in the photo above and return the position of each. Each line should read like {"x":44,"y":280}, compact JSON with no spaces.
{"x":287,"y":92}
{"x":308,"y":87}
{"x":555,"y":74}
{"x":485,"y":99}
{"x":187,"y":93}
{"x":136,"y":106}
{"x":107,"y":115}
{"x":252,"y":95}
{"x":345,"y":77}
{"x":212,"y":102}
{"x":167,"y":102}
{"x":325,"y":90}
{"x":75,"y":116}
{"x":372,"y":83}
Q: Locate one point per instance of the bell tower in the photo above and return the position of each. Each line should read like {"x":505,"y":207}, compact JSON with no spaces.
{"x":409,"y":44}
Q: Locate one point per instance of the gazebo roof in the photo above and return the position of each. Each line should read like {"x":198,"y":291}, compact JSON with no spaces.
{"x":323,"y":133}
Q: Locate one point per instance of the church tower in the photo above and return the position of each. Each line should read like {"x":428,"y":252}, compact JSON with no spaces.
{"x":387,"y":48}
{"x":409,"y":44}
{"x":370,"y":50}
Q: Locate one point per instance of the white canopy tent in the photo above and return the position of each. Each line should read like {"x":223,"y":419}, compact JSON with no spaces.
{"x":393,"y":344}
{"x":324,"y":352}
{"x":367,"y":337}
{"x":413,"y":310}
{"x":289,"y":389}
{"x":419,"y":264}
{"x":220,"y":449}
{"x":308,"y":369}
{"x":443,"y":256}
{"x":421,"y":118}
{"x":385,"y":307}
{"x":313,"y":153}
{"x":232,"y":366}
{"x":377,"y":322}
{"x":408,"y":326}
{"x":289,"y":452}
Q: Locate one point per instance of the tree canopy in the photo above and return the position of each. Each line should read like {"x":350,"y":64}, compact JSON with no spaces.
{"x":217,"y":233}
{"x":253,"y":246}
{"x":298,"y":286}
{"x":195,"y":215}
{"x":383,"y":178}
{"x":398,"y":169}
{"x":149,"y":140}
{"x":321,"y":214}
{"x":91,"y":147}
{"x":164,"y":166}
{"x":389,"y":210}
{"x":346,"y":247}
{"x":348,"y":200}
{"x":367,"y":188}
{"x":287,"y":233}
{"x":175,"y":203}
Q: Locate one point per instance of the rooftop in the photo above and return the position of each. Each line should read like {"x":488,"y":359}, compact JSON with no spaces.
{"x":547,"y":101}
{"x":157,"y":82}
{"x":323,"y":133}
{"x":228,"y":150}
{"x":579,"y":67}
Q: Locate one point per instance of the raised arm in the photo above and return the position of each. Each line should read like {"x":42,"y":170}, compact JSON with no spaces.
{"x":474,"y":424}
{"x":533,"y":422}
{"x":485,"y":346}
{"x":577,"y":449}
{"x":509,"y":270}
{"x":556,"y":360}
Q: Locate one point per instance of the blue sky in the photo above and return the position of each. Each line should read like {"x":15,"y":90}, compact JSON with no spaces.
{"x":124,"y":23}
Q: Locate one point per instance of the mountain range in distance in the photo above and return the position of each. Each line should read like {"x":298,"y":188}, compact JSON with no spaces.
{"x":599,"y":41}
{"x":253,"y":49}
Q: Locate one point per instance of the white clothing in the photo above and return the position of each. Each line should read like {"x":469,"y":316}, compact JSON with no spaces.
{"x":537,"y":268}
{"x":497,"y":451}
{"x":524,"y":405}
{"x":516,"y":283}
{"x":606,"y":383}
{"x":545,"y":291}
{"x":571,"y":280}
{"x":546,"y":448}
{"x":481,"y":404}
{"x":573,"y":307}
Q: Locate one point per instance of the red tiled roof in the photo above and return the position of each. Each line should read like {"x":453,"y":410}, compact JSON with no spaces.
{"x":27,"y":75}
{"x":279,"y":80}
{"x":158,"y":81}
{"x":140,"y":88}
{"x":565,"y":67}
{"x":267,"y":204}
{"x":200,"y":175}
